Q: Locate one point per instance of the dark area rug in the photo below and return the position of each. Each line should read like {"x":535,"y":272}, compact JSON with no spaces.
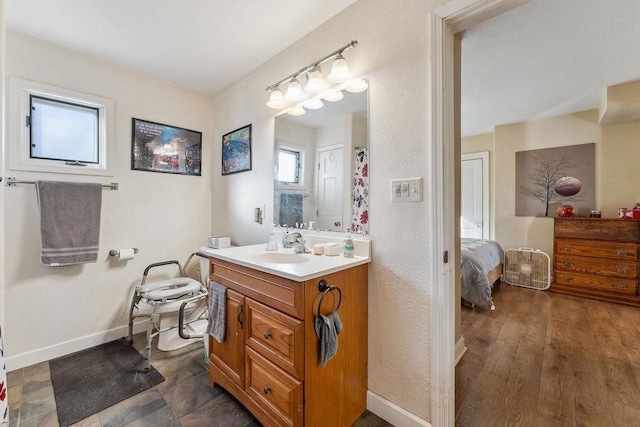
{"x":91,"y":380}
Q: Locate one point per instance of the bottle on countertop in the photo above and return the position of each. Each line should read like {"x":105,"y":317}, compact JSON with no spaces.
{"x":272,"y":245}
{"x":347,"y":246}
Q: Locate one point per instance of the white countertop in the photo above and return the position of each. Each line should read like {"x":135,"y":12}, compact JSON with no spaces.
{"x":285,"y":263}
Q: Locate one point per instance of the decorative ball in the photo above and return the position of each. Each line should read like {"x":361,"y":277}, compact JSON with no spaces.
{"x":568,"y":186}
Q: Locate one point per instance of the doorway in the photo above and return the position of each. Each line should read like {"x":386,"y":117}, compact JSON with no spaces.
{"x":443,"y":24}
{"x":474,"y":191}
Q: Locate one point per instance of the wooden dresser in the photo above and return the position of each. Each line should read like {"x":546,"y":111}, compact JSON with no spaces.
{"x":597,"y":258}
{"x":269,"y":359}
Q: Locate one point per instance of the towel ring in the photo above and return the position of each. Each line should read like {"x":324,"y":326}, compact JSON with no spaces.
{"x":324,"y":287}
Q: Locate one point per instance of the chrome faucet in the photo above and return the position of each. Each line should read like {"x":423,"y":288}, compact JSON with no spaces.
{"x":295,"y":239}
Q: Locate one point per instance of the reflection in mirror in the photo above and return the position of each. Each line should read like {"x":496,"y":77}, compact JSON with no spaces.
{"x":321,"y":167}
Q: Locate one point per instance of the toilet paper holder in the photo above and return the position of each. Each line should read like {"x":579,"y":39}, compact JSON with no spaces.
{"x":115,"y":252}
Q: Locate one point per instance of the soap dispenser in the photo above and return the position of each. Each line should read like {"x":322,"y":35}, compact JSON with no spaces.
{"x":285,"y":243}
{"x":272,"y":245}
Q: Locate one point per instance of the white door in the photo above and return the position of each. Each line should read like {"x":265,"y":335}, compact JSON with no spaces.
{"x":474,"y":209}
{"x":330,"y":175}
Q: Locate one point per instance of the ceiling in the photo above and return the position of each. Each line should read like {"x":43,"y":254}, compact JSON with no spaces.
{"x":205,"y":45}
{"x":544,"y":58}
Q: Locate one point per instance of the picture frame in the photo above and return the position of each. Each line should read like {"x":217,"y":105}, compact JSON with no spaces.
{"x":236,"y":151}
{"x":156,"y":147}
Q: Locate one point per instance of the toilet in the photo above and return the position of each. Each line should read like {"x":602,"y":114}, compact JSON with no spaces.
{"x":169,"y":311}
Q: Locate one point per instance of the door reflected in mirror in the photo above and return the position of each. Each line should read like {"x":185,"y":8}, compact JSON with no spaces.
{"x":321,"y":167}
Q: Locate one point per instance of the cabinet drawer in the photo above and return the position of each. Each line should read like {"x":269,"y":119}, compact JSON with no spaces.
{"x":620,"y":269}
{"x":594,"y":248}
{"x":280,"y":293}
{"x":277,"y":392}
{"x":610,"y":284}
{"x":277,"y":336}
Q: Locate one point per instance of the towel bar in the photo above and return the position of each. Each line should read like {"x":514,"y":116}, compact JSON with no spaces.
{"x":11,"y":182}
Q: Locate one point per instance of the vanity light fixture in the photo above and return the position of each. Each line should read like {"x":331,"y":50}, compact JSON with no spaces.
{"x":276,"y":99}
{"x":339,"y":70}
{"x":315,"y":82}
{"x":299,"y":99}
{"x":296,"y":111}
{"x":312,"y":104}
{"x":294,"y":91}
{"x":332,"y":95}
{"x":357,"y":85}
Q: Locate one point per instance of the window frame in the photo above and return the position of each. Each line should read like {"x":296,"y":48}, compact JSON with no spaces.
{"x":300,"y":172}
{"x":19,"y":132}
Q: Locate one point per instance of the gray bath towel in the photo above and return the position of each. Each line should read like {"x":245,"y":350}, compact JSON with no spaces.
{"x":327,"y":329}
{"x":69,"y":222}
{"x":217,"y":311}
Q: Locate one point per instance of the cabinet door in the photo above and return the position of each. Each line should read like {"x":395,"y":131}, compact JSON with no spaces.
{"x":228,"y":356}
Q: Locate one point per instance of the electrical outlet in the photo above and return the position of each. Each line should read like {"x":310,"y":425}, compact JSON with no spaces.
{"x":395,"y":190}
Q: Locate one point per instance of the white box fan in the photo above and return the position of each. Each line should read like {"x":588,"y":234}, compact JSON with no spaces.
{"x":527,"y":267}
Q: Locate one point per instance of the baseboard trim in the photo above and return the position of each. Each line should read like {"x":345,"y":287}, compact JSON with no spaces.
{"x":32,"y":357}
{"x":392,"y":413}
{"x":461,"y":349}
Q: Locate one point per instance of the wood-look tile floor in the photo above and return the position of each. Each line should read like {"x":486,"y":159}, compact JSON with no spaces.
{"x":184,"y":399}
{"x":545,"y":359}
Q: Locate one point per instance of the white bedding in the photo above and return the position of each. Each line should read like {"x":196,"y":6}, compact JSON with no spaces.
{"x":479,"y":257}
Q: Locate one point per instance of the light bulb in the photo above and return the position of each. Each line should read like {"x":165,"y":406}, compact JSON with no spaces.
{"x":296,"y":111}
{"x":332,"y":95}
{"x":315,"y":82}
{"x":357,"y":85}
{"x":294,"y":91}
{"x":312,"y":104}
{"x":276,"y":99}
{"x":339,"y":70}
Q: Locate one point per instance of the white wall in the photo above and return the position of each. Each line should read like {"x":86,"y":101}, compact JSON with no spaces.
{"x":166,"y":216}
{"x":392,"y":53}
{"x":2,"y":137}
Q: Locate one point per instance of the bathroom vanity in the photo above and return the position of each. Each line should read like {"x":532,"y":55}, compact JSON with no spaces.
{"x":270,"y":358}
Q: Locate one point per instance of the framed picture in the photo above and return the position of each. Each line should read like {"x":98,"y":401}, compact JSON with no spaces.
{"x":236,"y":151}
{"x":162,"y":148}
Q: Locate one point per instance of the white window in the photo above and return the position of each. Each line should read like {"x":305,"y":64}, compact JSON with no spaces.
{"x":58,"y":130}
{"x":290,"y":161}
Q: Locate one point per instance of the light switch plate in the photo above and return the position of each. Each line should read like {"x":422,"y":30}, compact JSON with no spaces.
{"x":406,"y":190}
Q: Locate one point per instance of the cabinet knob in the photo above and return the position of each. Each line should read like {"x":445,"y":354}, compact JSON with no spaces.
{"x":568,"y":248}
{"x":620,"y":286}
{"x":266,"y":390}
{"x":267,"y":335}
{"x":568,"y":263}
{"x":622,"y":252}
{"x":568,"y":278}
{"x":621,"y":269}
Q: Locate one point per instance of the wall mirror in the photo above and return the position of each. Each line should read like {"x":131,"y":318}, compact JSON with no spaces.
{"x":321,"y":166}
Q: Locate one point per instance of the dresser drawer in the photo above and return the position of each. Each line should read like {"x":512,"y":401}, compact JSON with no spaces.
{"x":601,"y":267}
{"x":598,"y":249}
{"x":609,"y":284}
{"x":598,"y":229}
{"x":277,"y":392}
{"x":276,"y":336}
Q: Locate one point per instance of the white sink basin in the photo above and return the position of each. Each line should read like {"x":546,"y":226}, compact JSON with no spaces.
{"x":280,"y":258}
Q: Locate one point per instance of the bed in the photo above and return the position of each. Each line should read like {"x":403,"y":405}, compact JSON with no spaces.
{"x":482,"y":262}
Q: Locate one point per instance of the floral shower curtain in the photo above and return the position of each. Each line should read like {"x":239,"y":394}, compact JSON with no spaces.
{"x":4,"y":406}
{"x":360,"y":198}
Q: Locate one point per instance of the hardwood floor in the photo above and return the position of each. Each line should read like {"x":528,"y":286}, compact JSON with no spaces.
{"x":545,"y":359}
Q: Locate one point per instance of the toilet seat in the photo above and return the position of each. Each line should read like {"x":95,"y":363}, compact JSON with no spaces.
{"x":169,"y":289}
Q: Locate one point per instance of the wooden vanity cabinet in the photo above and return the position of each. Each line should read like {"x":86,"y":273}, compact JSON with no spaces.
{"x":597,"y":258}
{"x":270,"y":357}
